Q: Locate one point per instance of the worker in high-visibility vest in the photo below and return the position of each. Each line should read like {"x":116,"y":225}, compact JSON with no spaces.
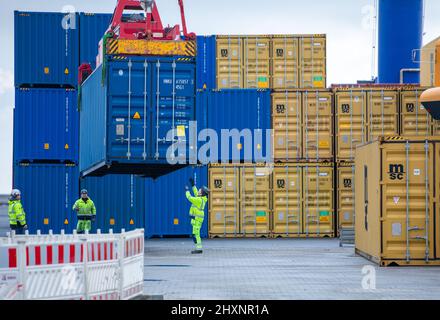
{"x":86,"y":212}
{"x":17,"y":216}
{"x":197,"y":212}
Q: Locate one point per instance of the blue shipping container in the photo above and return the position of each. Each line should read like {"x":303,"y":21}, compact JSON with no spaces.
{"x":246,"y":113}
{"x":119,"y":201}
{"x":167,"y":211}
{"x":92,"y":29}
{"x":206,"y":62}
{"x":48,"y":195}
{"x":126,"y":123}
{"x":46,"y":125}
{"x":46,"y":48}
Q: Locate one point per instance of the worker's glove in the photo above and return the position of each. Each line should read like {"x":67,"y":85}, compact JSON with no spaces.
{"x":191,"y":182}
{"x":186,"y":188}
{"x":25,"y":227}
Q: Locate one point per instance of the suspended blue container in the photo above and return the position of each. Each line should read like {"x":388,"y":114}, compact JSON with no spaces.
{"x":119,"y":201}
{"x":167,"y":210}
{"x":48,"y":194}
{"x":206,"y":62}
{"x":92,"y":28}
{"x":46,"y":125}
{"x":245,"y":112}
{"x":46,"y":49}
{"x":400,"y":39}
{"x":128,"y":113}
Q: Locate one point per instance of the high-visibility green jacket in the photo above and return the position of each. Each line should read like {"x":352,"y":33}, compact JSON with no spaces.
{"x":197,"y":204}
{"x":86,"y":208}
{"x":16,"y":213}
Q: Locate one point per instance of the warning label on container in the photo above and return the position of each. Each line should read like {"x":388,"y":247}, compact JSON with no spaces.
{"x":417,"y":172}
{"x":137,"y":116}
{"x":181,"y":131}
{"x":324,"y":216}
{"x":396,"y":200}
{"x":324,"y":144}
{"x":261,"y":216}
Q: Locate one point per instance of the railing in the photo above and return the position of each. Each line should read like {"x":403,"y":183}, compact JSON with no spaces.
{"x":75,"y":267}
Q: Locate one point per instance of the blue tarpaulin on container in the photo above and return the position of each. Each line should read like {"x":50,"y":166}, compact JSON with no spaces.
{"x":46,"y":48}
{"x":127,"y":122}
{"x":48,"y":194}
{"x":46,"y":125}
{"x":167,"y":210}
{"x":119,"y":201}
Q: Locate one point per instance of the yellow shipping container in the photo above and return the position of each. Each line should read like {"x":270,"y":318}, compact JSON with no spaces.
{"x":255,"y":194}
{"x":346,"y":195}
{"x":350,"y":123}
{"x":229,"y":62}
{"x":318,"y":125}
{"x":395,"y":203}
{"x":286,"y":125}
{"x":285,"y":72}
{"x":224,"y":183}
{"x":414,"y":120}
{"x":312,"y":61}
{"x":287,"y":201}
{"x":256,"y":62}
{"x":318,"y":200}
{"x":383,"y":113}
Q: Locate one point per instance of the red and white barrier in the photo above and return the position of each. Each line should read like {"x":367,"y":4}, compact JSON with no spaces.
{"x":82,"y":267}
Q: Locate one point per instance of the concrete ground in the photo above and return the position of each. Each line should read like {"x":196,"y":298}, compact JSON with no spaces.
{"x":296,"y":269}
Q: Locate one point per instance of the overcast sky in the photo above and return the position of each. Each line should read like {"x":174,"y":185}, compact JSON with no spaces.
{"x":346,"y":23}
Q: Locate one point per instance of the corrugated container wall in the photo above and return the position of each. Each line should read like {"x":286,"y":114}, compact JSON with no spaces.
{"x":119,"y":200}
{"x":46,"y":48}
{"x":128,"y":121}
{"x":167,"y":211}
{"x":346,"y":195}
{"x":313,"y":61}
{"x":395,"y":204}
{"x":414,"y":119}
{"x":48,"y":194}
{"x":247,"y":111}
{"x":92,"y":29}
{"x":383,"y":113}
{"x":46,"y":125}
{"x":206,"y":62}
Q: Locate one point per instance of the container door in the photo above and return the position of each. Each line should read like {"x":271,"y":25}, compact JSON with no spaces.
{"x":318,"y":200}
{"x":287,"y":201}
{"x":346,"y":197}
{"x":229,"y":63}
{"x":312,"y":62}
{"x":256,"y":62}
{"x":285,"y":62}
{"x":173,"y":105}
{"x":286,"y":124}
{"x":407,"y":201}
{"x":224,"y":201}
{"x":129,"y":105}
{"x":255,"y":201}
{"x":351,"y":115}
{"x":318,"y":125}
{"x":382,"y":114}
{"x":415,"y":121}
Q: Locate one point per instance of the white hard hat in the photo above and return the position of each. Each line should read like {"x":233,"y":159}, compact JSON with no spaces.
{"x":15,"y":193}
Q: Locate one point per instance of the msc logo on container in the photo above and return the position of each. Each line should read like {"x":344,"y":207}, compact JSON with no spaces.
{"x":410,"y":107}
{"x":397,"y":171}
{"x":345,"y":108}
{"x":224,"y":53}
{"x":281,"y":108}
{"x":281,"y":183}
{"x":347,"y":183}
{"x":218,"y":183}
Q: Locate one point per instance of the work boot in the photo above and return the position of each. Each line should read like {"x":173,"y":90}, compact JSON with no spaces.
{"x":197,"y":252}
